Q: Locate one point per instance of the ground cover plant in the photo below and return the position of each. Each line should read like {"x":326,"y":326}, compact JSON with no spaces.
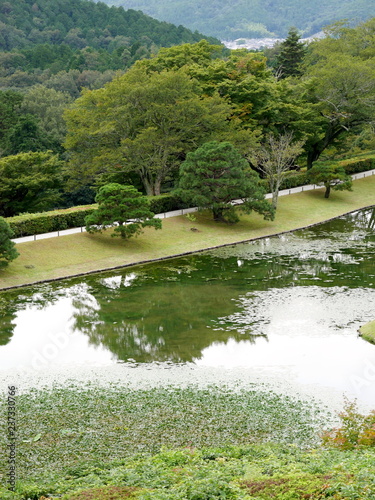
{"x":68,"y":432}
{"x":86,"y":443}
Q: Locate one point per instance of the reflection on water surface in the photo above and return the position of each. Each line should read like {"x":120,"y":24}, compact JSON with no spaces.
{"x":292,"y":302}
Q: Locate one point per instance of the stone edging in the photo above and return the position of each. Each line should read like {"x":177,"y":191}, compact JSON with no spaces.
{"x":124,"y":266}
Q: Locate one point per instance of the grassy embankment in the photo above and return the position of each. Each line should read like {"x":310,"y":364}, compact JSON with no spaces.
{"x":367,"y":332}
{"x":55,"y":258}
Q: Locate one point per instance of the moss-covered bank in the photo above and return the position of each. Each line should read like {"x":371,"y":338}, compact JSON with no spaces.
{"x":367,"y":332}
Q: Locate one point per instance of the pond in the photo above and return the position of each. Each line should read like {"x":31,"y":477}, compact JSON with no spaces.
{"x":284,"y":306}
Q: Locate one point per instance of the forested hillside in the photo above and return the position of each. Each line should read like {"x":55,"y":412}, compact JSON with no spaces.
{"x":39,"y":39}
{"x":253,"y":18}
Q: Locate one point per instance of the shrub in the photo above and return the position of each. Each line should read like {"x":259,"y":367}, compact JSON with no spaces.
{"x":8,"y":251}
{"x":355,"y":166}
{"x":356,"y":429}
{"x":57,"y":220}
{"x":166,"y":203}
{"x":30,"y":224}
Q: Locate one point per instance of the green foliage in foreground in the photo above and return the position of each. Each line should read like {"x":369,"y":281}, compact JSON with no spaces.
{"x":78,"y":427}
{"x":356,"y":429}
{"x":90,"y":443}
{"x":252,"y":472}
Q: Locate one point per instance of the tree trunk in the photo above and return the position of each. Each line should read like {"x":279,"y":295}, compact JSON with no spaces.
{"x":333,"y":131}
{"x":313,"y":155}
{"x":328,"y":190}
{"x":157,"y":187}
{"x":148,"y":186}
{"x":218,"y":214}
{"x":275,"y":196}
{"x":152,"y":188}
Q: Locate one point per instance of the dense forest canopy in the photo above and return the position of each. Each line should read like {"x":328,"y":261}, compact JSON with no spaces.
{"x":81,"y":23}
{"x":42,"y":40}
{"x":253,"y":18}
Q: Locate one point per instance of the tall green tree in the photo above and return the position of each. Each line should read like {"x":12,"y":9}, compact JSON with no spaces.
{"x":121,"y":207}
{"x":290,"y":56}
{"x":260,"y":103}
{"x":343,"y":92}
{"x":331,"y":177}
{"x":8,"y":250}
{"x":48,"y":106}
{"x":215,"y":175}
{"x":9,"y":105}
{"x":341,"y":73}
{"x":143,"y":123}
{"x":29,"y":182}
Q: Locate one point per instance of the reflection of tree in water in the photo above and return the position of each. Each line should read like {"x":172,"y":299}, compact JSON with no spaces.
{"x":365,"y":218}
{"x":8,"y":314}
{"x":168,"y":311}
{"x":361,"y":220}
{"x":13,"y":301}
{"x":156,"y":322}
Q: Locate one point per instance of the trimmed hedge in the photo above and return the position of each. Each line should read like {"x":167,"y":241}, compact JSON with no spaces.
{"x":57,"y":220}
{"x":166,"y":203}
{"x":46,"y":222}
{"x":355,"y":166}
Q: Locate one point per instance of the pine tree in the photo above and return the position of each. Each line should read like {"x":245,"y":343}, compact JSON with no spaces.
{"x":8,"y":251}
{"x":291,"y":55}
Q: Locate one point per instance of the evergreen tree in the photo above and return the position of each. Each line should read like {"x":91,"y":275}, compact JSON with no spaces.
{"x":215,"y":175}
{"x":121,"y":207}
{"x":7,"y":248}
{"x":331,"y":177}
{"x":291,"y":55}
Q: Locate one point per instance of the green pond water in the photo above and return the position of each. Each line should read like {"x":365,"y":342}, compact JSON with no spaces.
{"x":292,"y":302}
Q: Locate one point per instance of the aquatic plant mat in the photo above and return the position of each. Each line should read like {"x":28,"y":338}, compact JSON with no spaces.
{"x":86,"y":443}
{"x":67,"y":435}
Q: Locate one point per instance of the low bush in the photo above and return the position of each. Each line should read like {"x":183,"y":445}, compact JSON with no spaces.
{"x":355,"y":166}
{"x":58,"y":220}
{"x":356,"y":429}
{"x":38,"y":223}
{"x":45,"y":222}
{"x":166,"y":203}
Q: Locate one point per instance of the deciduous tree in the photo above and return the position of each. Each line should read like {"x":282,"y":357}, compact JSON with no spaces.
{"x":342,"y":85}
{"x":142,"y":123}
{"x":275,"y":158}
{"x":29,"y":182}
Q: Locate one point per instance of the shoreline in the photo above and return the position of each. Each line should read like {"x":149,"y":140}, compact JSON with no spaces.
{"x":173,"y":256}
{"x":72,"y":256}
